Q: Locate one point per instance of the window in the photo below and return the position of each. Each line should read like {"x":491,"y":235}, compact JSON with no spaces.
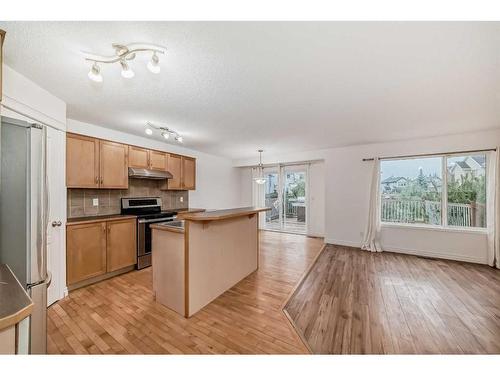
{"x":413,"y":190}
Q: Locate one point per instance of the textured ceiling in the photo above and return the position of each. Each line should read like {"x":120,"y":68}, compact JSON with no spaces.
{"x":231,"y":88}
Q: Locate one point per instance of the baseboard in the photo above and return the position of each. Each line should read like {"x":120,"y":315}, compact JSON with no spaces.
{"x":417,"y":252}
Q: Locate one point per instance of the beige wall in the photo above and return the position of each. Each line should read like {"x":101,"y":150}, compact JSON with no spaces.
{"x":79,"y":201}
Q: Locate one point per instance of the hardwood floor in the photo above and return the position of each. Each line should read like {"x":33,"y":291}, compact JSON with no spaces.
{"x":354,"y":301}
{"x":120,"y":316}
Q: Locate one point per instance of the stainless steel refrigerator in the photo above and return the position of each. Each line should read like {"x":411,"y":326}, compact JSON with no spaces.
{"x":23,"y":217}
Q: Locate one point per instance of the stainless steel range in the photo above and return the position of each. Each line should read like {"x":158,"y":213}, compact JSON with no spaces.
{"x":148,"y":211}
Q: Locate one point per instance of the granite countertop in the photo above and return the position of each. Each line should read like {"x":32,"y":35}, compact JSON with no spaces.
{"x":15,"y":304}
{"x":224,"y":214}
{"x":93,"y":219}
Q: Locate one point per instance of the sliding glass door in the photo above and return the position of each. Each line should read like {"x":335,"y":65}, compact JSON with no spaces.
{"x":285,"y":193}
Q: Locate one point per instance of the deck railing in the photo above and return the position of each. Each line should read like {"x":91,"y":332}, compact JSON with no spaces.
{"x":429,"y":212}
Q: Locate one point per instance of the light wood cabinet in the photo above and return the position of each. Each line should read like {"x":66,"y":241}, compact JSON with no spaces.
{"x":183,"y":170}
{"x":94,"y":163}
{"x":158,"y":160}
{"x":82,"y":161}
{"x":121,"y":244}
{"x":85,"y":251}
{"x":2,"y":38}
{"x":175,"y":168}
{"x":113,"y":162}
{"x":149,"y":159}
{"x":138,"y":157}
{"x":94,"y":249}
{"x":188,"y":173}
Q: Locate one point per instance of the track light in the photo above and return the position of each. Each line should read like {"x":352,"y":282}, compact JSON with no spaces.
{"x":165,"y":132}
{"x":149,"y":131}
{"x":124,"y":54}
{"x":165,"y":135}
{"x":126,"y":71}
{"x":154,"y":64}
{"x":178,"y":139}
{"x":95,"y":73}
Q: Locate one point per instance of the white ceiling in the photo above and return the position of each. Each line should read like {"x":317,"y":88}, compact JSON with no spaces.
{"x":231,"y":88}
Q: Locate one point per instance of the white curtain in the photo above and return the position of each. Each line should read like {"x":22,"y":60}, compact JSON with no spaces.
{"x":258,"y":196}
{"x":493,"y":208}
{"x":371,"y":240}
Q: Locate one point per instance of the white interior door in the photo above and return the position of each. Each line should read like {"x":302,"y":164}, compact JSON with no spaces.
{"x":56,"y":228}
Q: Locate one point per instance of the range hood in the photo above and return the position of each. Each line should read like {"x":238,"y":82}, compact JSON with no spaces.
{"x":148,"y":174}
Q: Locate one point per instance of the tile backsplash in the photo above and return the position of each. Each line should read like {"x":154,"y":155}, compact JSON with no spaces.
{"x":80,"y":201}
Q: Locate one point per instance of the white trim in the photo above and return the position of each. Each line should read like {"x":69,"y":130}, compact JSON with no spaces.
{"x":433,"y":254}
{"x":400,"y":250}
{"x":14,"y":105}
{"x":438,"y":228}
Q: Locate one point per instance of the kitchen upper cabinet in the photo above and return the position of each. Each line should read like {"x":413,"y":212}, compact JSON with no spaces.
{"x":82,"y":161}
{"x":138,"y":157}
{"x":158,"y":160}
{"x":113,"y":163}
{"x":2,"y":37}
{"x":85,"y":251}
{"x":183,"y":170}
{"x":188,"y":173}
{"x":175,"y":167}
{"x":121,"y":244}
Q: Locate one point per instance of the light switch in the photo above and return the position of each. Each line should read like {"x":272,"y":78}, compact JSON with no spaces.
{"x":181,"y":199}
{"x":95,"y":202}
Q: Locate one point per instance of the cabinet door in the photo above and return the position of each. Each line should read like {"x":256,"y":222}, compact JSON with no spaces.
{"x":82,"y":161}
{"x":121,"y":244}
{"x":85,"y":251}
{"x":175,"y":167}
{"x":113,"y":161}
{"x":188,"y":173}
{"x":158,"y":160}
{"x":138,"y":157}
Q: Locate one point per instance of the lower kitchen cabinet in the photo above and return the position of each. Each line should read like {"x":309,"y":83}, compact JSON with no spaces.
{"x":85,"y":251}
{"x":97,"y":248}
{"x":121,"y":244}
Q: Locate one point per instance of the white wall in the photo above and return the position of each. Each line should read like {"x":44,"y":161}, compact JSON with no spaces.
{"x":217,"y":181}
{"x":347,"y":180}
{"x":24,"y":99}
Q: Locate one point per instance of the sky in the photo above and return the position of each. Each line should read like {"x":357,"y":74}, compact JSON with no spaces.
{"x":410,"y":167}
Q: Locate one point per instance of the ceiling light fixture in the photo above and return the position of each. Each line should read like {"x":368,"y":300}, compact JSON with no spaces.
{"x":95,"y":73}
{"x":126,"y":71}
{"x":260,"y":179}
{"x":154,"y":64}
{"x":165,"y":132}
{"x":123,"y":54}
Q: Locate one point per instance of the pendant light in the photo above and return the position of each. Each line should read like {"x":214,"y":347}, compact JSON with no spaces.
{"x":260,"y":179}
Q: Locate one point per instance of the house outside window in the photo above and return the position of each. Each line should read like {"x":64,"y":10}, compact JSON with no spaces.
{"x":440,"y":191}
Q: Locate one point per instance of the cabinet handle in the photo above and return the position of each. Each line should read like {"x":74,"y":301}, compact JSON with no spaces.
{"x":96,"y":179}
{"x":102,"y":180}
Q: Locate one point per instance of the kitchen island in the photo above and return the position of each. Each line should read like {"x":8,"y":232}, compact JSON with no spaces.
{"x":198,"y":259}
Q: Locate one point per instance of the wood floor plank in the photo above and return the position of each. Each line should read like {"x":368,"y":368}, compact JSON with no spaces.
{"x":354,"y":301}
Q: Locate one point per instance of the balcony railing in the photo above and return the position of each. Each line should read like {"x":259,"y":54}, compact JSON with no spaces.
{"x":429,"y":212}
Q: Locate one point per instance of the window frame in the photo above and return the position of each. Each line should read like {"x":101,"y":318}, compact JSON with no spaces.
{"x":444,"y":227}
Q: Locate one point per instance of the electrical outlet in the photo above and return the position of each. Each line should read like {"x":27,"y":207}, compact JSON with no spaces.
{"x":181,"y":199}
{"x":95,"y":202}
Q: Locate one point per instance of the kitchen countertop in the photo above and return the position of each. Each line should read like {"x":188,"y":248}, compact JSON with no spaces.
{"x":95,"y":219}
{"x":224,"y":214}
{"x":15,"y":304}
{"x":167,"y":227}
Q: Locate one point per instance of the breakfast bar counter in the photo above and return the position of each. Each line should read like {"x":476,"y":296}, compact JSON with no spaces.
{"x":198,"y":259}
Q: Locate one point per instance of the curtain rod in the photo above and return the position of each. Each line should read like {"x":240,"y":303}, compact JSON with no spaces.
{"x":430,"y":154}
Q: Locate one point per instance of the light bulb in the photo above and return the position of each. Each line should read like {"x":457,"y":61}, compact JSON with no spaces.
{"x":95,"y":73}
{"x":154,"y":64}
{"x":149,"y":131}
{"x":178,"y":139}
{"x":126,"y":71}
{"x":165,"y":135}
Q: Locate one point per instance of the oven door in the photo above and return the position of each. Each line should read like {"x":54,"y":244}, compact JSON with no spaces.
{"x":144,"y":234}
